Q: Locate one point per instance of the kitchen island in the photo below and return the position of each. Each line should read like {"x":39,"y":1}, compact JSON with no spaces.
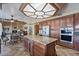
{"x":40,"y":45}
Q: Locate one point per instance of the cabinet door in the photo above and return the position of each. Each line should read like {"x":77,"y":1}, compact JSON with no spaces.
{"x":69,"y":21}
{"x":66,"y":21}
{"x":77,"y":21}
{"x":38,"y":49}
{"x":49,"y":23}
{"x":56,"y":24}
{"x":26,"y":43}
{"x":76,"y":42}
{"x":63,"y":22}
{"x":76,"y":39}
{"x":55,"y":28}
{"x":31,"y":47}
{"x":52,"y":25}
{"x":44,"y":23}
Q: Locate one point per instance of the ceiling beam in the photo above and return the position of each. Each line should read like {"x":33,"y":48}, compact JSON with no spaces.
{"x":23,"y":5}
{"x":45,"y":6}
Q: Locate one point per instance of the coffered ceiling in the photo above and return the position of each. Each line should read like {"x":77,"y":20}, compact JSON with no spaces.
{"x":40,"y":10}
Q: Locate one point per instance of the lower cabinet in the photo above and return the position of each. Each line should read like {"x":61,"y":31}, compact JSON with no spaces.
{"x":76,"y":43}
{"x":30,"y":47}
{"x":38,"y":49}
{"x":44,"y":50}
{"x":26,"y":44}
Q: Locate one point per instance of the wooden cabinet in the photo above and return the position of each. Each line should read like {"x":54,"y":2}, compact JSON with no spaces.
{"x":49,"y":23}
{"x":66,"y":21}
{"x":31,"y":47}
{"x":55,"y":26}
{"x":44,"y":23}
{"x":76,"y":42}
{"x":62,"y":22}
{"x":39,"y":49}
{"x":28,"y":44}
{"x":52,"y":29}
{"x":36,"y":48}
{"x":52,"y":25}
{"x":76,"y":31}
{"x":44,"y":50}
{"x":69,"y":21}
{"x":77,"y":21}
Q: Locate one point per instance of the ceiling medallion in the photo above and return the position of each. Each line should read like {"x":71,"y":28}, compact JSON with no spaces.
{"x":39,"y":13}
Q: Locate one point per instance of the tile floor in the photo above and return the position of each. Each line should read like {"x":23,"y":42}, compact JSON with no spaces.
{"x":18,"y":50}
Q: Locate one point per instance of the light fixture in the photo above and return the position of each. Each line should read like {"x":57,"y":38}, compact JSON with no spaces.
{"x":39,"y":10}
{"x":12,"y":18}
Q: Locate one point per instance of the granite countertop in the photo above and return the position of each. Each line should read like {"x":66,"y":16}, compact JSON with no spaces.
{"x":41,"y":39}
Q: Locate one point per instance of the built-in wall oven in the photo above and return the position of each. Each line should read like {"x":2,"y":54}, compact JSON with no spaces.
{"x":66,"y":34}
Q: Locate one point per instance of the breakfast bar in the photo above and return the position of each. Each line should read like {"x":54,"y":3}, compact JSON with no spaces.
{"x":40,"y":45}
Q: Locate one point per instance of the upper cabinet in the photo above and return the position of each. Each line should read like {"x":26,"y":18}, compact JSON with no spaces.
{"x":69,"y":21}
{"x":56,"y":24}
{"x":62,"y":22}
{"x":45,"y":23}
{"x":52,"y":25}
{"x":66,"y":21}
{"x":49,"y":23}
{"x":77,"y":21}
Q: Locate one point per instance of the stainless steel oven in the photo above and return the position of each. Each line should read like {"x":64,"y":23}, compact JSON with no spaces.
{"x":66,"y":34}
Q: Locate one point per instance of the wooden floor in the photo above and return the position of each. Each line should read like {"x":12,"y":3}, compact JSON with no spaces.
{"x":18,"y":50}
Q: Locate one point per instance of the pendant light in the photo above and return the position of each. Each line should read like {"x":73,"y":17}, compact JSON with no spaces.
{"x":12,"y":18}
